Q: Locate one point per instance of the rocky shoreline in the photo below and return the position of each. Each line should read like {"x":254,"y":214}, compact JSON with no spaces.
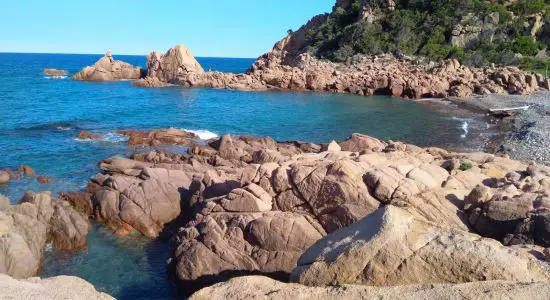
{"x":363,"y":211}
{"x":219,"y":204}
{"x":525,"y":134}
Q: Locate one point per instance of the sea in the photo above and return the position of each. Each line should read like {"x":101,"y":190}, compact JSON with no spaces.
{"x":40,"y":117}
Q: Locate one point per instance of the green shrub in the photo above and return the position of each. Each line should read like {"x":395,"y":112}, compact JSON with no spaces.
{"x":525,"y":45}
{"x":425,"y":28}
{"x":465,"y":165}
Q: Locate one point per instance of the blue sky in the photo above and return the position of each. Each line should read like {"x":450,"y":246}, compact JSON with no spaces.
{"x":228,"y":28}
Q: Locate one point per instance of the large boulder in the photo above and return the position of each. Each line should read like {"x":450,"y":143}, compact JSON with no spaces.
{"x":391,"y":247}
{"x":514,"y":209}
{"x":224,"y":245}
{"x":25,"y":229}
{"x":258,"y":287}
{"x":109,"y":69}
{"x":61,"y":287}
{"x":143,"y":199}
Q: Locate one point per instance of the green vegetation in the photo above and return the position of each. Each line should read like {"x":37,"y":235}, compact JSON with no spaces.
{"x":425,"y":28}
{"x":465,"y":165}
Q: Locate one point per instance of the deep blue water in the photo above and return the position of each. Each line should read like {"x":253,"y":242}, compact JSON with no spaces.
{"x":39,"y":118}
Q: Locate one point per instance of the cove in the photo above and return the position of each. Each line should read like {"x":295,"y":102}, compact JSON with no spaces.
{"x":40,"y":118}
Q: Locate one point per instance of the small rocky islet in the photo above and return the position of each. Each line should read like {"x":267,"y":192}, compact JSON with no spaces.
{"x":251,"y":217}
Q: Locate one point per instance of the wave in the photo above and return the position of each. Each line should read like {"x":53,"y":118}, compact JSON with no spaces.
{"x":465,"y":128}
{"x":203,"y":134}
{"x":115,"y":137}
{"x":109,"y":137}
{"x":55,"y":77}
{"x":464,"y":125}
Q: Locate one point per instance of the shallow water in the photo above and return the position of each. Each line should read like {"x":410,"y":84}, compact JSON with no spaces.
{"x":39,"y":117}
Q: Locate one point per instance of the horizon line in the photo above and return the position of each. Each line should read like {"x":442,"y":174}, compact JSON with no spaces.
{"x":114,"y":54}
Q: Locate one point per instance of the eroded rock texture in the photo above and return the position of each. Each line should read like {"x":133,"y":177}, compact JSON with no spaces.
{"x":27,"y":227}
{"x":247,"y":205}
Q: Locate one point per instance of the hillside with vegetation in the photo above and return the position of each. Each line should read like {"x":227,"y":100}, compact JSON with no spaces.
{"x":476,"y":32}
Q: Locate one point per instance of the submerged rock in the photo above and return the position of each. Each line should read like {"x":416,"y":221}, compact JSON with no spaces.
{"x":61,"y":287}
{"x":4,"y":177}
{"x":258,"y":287}
{"x":44,"y":180}
{"x":86,"y":135}
{"x":26,"y":170}
{"x":108,"y":69}
{"x":55,"y":72}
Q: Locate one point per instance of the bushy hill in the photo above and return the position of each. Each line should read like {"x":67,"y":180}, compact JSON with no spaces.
{"x":476,"y":32}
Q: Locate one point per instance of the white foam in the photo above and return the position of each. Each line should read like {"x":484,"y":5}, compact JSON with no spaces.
{"x":55,"y":77}
{"x":203,"y":134}
{"x":48,"y":247}
{"x":108,"y":137}
{"x":465,"y":128}
{"x":114,"y":137}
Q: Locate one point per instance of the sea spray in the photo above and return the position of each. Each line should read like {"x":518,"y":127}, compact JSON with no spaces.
{"x":203,"y":134}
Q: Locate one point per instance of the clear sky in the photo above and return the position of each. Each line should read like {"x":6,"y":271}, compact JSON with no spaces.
{"x":224,"y":28}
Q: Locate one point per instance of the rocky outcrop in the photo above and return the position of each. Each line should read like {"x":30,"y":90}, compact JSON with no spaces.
{"x":172,"y":67}
{"x":220,"y":201}
{"x":25,"y":229}
{"x":109,"y":69}
{"x":228,"y":244}
{"x":171,"y":136}
{"x":258,"y":287}
{"x":61,"y":287}
{"x":515,"y":210}
{"x":283,"y":69}
{"x":471,"y":29}
{"x":26,"y":170}
{"x":391,"y":247}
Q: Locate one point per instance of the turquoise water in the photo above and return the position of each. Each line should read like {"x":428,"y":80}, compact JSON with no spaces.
{"x":40,"y":117}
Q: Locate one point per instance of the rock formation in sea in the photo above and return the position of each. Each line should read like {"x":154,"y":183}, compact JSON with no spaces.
{"x":55,"y":72}
{"x":61,"y":287}
{"x":258,"y":287}
{"x":108,"y":69}
{"x":27,"y":227}
{"x":86,"y":135}
{"x":247,"y":205}
{"x":170,"y":136}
